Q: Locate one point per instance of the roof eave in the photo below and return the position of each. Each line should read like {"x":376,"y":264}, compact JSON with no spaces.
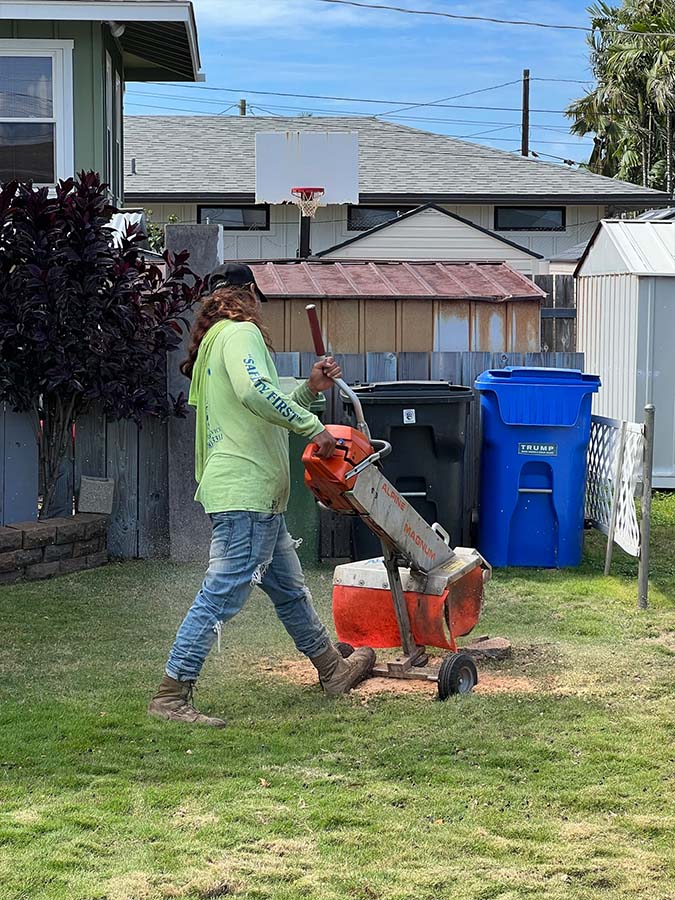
{"x":430,"y":297}
{"x":627,"y":200}
{"x":138,"y":11}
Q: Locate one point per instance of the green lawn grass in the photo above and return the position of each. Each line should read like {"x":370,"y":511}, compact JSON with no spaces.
{"x":564,"y":791}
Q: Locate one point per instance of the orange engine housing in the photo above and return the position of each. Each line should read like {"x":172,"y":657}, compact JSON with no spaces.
{"x":365,"y":617}
{"x":326,"y":477}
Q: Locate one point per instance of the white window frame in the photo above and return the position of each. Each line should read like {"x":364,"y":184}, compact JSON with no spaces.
{"x":61,"y":53}
{"x":109,"y":122}
{"x":119,"y":127}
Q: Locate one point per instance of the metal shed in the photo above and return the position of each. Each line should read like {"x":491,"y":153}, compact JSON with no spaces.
{"x":391,"y":305}
{"x":626,"y":325}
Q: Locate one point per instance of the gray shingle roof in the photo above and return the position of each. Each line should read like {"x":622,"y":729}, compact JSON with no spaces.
{"x":572,"y":254}
{"x":213,"y":157}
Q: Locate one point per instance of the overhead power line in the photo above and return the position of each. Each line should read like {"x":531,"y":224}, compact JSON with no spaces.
{"x":495,"y":21}
{"x":412,"y":103}
{"x":339,"y":113}
{"x":381,"y":147}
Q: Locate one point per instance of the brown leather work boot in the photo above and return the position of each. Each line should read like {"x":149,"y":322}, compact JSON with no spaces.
{"x":339,"y":675}
{"x":173,"y":702}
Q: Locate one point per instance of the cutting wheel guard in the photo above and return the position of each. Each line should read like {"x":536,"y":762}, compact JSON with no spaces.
{"x":365,"y":617}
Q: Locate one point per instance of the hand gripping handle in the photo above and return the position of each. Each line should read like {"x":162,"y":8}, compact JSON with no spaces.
{"x":315,"y":328}
{"x":320,"y":349}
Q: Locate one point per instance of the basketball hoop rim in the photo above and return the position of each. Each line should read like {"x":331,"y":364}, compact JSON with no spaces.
{"x":308,"y":193}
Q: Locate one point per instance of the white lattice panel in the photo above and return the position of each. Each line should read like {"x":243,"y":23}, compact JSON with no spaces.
{"x":612,"y":477}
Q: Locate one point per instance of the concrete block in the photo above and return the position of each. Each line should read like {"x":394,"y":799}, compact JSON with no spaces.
{"x":97,"y":559}
{"x":36,"y":534}
{"x":10,"y":539}
{"x":68,"y":566}
{"x":8,"y":561}
{"x":86,"y":548}
{"x":29,"y":557}
{"x":96,"y":524}
{"x":70,"y":530}
{"x":11,"y":577}
{"x":96,"y":495}
{"x":57,"y":551}
{"x":42,"y":570}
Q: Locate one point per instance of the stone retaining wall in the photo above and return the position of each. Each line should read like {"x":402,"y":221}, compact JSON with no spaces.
{"x":34,"y":550}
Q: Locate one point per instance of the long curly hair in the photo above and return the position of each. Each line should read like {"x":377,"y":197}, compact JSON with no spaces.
{"x":234,"y":303}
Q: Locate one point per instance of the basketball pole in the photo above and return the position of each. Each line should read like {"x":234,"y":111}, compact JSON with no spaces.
{"x":304,"y":248}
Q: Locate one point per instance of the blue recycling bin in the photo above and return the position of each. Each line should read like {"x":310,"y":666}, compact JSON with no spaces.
{"x":536,"y":428}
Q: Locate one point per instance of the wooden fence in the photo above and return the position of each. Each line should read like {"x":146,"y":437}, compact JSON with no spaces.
{"x":558,"y":312}
{"x":138,"y":457}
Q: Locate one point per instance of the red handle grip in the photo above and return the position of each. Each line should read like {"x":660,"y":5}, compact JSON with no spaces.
{"x":315,"y":328}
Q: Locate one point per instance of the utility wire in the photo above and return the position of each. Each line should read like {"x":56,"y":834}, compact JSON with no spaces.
{"x":244,"y":91}
{"x":525,"y":22}
{"x":373,"y":146}
{"x":494,"y":87}
{"x":339,"y":113}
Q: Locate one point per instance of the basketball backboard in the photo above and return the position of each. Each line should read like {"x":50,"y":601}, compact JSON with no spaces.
{"x":288,"y":159}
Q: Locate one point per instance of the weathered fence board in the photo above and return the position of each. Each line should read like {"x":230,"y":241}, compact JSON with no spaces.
{"x":381,"y":367}
{"x":153,"y":490}
{"x":122,"y":465}
{"x":413,"y":366}
{"x":288,"y":364}
{"x":18,"y":467}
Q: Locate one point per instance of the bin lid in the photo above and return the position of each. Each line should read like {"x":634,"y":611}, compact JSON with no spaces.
{"x":288,"y":384}
{"x":412,"y":391}
{"x":538,"y":396}
{"x":536,"y":375}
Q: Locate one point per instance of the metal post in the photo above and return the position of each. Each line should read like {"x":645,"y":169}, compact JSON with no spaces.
{"x":525,"y":131}
{"x":304,"y":249}
{"x":400,"y":607}
{"x":616,"y":494}
{"x":646,"y":521}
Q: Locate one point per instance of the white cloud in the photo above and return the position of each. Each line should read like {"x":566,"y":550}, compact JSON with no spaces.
{"x":266,"y":14}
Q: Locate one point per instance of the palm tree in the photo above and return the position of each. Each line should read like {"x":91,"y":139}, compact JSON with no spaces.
{"x":630,"y":111}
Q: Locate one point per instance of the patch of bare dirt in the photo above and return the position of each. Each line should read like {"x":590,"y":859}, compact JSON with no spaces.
{"x":665,"y":639}
{"x":301,"y":672}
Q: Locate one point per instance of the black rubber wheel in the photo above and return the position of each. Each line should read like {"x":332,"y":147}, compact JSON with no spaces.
{"x":457,"y":675}
{"x":344,"y":649}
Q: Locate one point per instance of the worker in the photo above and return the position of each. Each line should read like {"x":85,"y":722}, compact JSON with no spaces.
{"x":242,"y":470}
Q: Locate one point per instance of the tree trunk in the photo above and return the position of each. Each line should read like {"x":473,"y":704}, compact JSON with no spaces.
{"x":669,"y":153}
{"x":55,"y":435}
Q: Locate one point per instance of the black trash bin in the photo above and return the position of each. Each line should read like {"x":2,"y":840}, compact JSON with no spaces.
{"x":426,"y":424}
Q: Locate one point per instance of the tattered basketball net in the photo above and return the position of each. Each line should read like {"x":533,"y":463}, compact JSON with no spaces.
{"x":307,"y":199}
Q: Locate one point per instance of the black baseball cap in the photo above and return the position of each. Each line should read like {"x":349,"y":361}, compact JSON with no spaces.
{"x":233,"y":275}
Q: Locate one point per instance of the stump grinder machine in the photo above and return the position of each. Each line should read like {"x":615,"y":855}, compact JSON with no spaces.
{"x":421,"y":592}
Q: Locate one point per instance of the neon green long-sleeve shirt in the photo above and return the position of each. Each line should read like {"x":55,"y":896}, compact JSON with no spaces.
{"x":243,"y":420}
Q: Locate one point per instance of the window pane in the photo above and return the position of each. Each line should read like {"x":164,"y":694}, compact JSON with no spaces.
{"x":244,"y":218}
{"x":361,"y":218}
{"x":515,"y":218}
{"x":27,"y":152}
{"x":26,"y":87}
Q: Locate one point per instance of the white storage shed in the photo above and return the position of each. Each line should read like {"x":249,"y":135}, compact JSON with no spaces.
{"x":626,"y":326}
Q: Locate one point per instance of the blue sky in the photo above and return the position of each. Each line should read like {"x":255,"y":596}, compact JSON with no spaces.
{"x":309,"y":47}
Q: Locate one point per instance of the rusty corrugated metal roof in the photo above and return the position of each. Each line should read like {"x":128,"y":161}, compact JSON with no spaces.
{"x":327,"y":279}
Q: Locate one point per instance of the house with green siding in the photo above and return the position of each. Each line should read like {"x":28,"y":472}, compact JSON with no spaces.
{"x":63,"y":67}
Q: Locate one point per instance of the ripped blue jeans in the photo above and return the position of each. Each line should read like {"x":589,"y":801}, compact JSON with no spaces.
{"x":247,"y":549}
